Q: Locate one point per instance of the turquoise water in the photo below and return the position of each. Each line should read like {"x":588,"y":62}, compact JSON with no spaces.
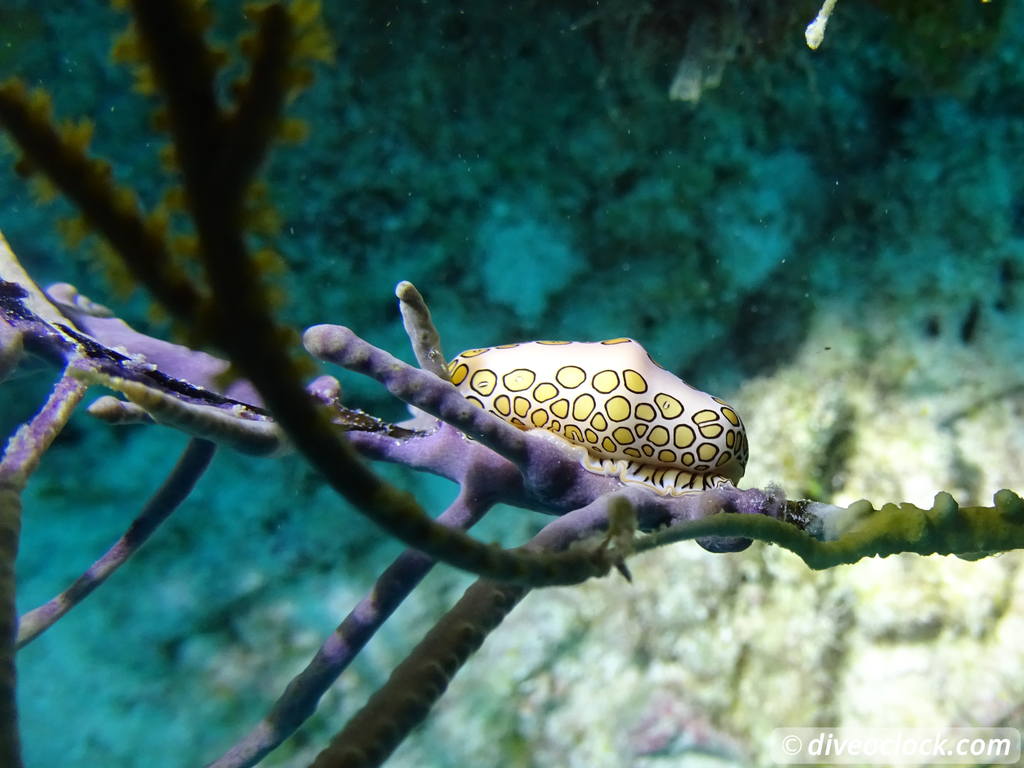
{"x":837,"y":225}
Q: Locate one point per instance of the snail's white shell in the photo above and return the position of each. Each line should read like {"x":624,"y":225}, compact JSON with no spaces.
{"x":635,"y":419}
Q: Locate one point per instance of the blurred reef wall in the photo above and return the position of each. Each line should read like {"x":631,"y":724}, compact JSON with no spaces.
{"x":833,"y":240}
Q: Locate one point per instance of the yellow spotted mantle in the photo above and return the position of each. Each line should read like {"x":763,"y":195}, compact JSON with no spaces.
{"x":635,"y":419}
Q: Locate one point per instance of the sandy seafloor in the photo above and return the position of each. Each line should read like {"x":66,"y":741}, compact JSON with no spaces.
{"x":831,"y":240}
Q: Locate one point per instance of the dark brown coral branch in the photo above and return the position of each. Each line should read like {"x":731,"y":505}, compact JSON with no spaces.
{"x":112,"y":210}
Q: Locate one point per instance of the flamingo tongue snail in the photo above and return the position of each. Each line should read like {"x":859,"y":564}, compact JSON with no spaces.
{"x":636,"y":420}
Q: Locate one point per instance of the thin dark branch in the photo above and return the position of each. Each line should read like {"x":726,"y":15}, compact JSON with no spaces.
{"x":21,"y":456}
{"x":175,"y":489}
{"x":300,"y":698}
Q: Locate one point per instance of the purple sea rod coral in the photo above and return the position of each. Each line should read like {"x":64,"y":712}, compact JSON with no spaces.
{"x":601,"y":514}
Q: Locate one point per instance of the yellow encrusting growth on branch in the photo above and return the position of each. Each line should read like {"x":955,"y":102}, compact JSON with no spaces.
{"x":60,"y":155}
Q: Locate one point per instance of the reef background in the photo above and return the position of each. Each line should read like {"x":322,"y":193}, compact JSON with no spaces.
{"x":831,"y":240}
